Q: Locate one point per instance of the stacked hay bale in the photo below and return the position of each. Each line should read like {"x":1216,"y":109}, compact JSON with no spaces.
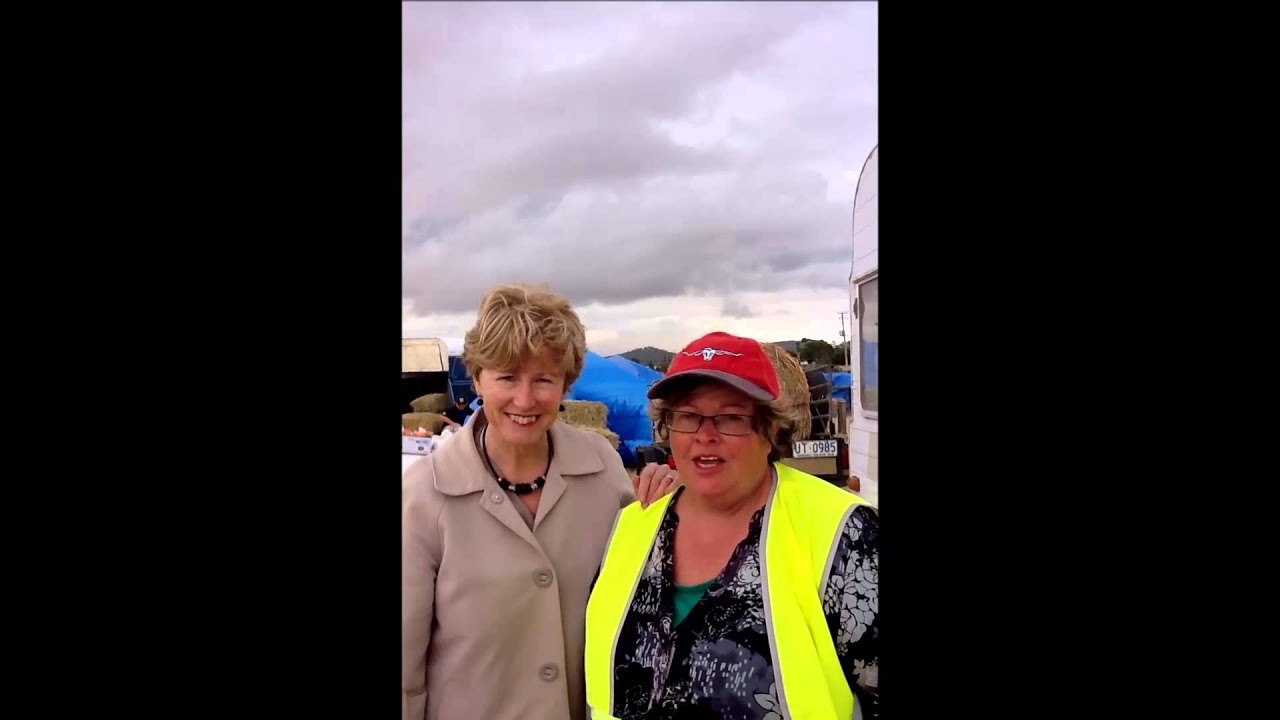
{"x":433,"y":403}
{"x":585,"y":413}
{"x":795,"y":388}
{"x":605,"y":433}
{"x":433,"y":422}
{"x":590,"y":416}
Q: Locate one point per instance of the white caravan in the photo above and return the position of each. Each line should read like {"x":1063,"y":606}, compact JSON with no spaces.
{"x":864,"y":308}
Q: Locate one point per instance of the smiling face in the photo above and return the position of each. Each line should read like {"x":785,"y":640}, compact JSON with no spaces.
{"x":522,"y":403}
{"x":712,"y":463}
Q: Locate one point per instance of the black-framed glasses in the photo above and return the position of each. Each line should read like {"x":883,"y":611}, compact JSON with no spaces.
{"x":688,"y":422}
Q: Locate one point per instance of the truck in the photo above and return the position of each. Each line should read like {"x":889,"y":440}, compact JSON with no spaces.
{"x":864,"y":308}
{"x":424,"y":369}
{"x":824,"y":452}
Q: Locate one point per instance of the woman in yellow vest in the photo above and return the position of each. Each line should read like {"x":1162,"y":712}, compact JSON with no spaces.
{"x":752,"y":591}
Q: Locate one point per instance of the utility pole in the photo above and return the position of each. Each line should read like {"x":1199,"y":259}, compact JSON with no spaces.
{"x":845,"y":338}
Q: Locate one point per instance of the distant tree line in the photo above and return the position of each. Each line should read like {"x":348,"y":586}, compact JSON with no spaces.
{"x":821,"y":352}
{"x":814,"y":352}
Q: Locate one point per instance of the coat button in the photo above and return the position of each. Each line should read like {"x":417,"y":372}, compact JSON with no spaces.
{"x":496,"y":498}
{"x":550,"y":672}
{"x":542,"y":578}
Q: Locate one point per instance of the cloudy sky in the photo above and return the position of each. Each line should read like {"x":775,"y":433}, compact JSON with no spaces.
{"x":672,"y":168}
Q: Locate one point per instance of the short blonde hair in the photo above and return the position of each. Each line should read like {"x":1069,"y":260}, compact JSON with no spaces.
{"x":778,"y":415}
{"x":516,"y":321}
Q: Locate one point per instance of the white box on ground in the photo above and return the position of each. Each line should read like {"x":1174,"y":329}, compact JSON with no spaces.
{"x":413,"y":449}
{"x":410,"y":445}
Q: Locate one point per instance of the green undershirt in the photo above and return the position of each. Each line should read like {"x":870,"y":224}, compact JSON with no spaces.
{"x":686,"y":596}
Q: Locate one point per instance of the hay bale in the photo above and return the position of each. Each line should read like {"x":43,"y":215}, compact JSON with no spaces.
{"x":432,"y":403}
{"x":585,"y":413}
{"x":605,"y":433}
{"x":431,"y":421}
{"x":795,"y":388}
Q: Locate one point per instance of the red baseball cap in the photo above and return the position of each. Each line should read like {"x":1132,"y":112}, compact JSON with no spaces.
{"x":736,"y":361}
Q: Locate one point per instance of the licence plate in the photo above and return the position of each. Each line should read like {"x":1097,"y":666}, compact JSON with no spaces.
{"x":814,"y":448}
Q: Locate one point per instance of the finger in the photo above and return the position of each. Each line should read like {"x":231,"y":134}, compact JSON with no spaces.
{"x":663,"y":482}
{"x":653,"y":489}
{"x":644,"y":487}
{"x":671,"y":482}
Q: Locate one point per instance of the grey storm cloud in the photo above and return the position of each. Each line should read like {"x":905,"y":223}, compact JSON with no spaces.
{"x":736,"y":309}
{"x":622,"y":151}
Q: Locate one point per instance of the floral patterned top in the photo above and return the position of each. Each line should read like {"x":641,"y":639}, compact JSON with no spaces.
{"x":717,"y":663}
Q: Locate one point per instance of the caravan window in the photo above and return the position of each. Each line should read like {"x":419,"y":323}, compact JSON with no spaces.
{"x":869,"y":344}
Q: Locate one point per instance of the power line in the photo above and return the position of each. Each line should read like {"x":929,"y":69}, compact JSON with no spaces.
{"x":845,"y":338}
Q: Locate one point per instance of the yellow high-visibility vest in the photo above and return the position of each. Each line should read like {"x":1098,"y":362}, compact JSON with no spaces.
{"x":802,"y":521}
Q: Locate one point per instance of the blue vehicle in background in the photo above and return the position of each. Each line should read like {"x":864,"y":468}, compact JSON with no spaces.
{"x":459,"y":383}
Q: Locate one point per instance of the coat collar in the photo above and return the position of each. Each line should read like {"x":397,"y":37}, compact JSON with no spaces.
{"x":459,"y":469}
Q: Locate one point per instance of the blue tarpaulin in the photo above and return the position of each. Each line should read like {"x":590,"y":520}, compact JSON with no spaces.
{"x":840,"y":387}
{"x":644,"y":372}
{"x":622,"y":391}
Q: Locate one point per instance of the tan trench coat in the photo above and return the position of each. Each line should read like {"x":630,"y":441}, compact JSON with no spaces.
{"x":493,"y":615}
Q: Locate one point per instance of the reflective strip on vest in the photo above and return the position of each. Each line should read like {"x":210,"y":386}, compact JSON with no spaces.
{"x":634,"y":532}
{"x":802,"y":520}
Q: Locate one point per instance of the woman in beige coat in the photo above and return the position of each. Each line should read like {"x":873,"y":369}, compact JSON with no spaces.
{"x":504,"y":527}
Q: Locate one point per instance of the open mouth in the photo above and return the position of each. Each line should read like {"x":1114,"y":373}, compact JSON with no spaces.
{"x":523,"y":420}
{"x":707,"y":462}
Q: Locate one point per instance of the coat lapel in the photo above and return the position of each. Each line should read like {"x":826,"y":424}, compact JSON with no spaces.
{"x":498,"y":503}
{"x":572,"y":458}
{"x":459,"y":470}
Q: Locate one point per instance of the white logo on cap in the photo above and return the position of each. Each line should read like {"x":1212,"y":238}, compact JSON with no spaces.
{"x":707,"y":353}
